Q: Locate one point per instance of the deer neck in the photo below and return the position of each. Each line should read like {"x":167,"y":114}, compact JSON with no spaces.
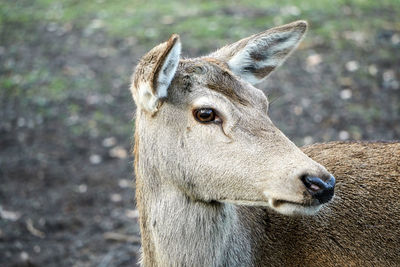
{"x":178,"y":231}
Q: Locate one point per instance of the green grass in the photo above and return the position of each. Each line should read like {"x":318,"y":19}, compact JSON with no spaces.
{"x":202,"y":20}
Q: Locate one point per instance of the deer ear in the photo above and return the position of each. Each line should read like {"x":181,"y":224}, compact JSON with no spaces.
{"x":154,"y":74}
{"x":255,"y":57}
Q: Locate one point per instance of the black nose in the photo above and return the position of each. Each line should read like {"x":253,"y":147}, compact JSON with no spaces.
{"x":320,"y":189}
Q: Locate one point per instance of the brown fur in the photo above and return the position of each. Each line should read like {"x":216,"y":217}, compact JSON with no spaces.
{"x":222,"y":81}
{"x":220,"y":63}
{"x":147,"y":245}
{"x":262,"y":72}
{"x":361,"y":227}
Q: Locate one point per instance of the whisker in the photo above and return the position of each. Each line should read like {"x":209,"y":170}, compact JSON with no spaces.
{"x":274,"y":99}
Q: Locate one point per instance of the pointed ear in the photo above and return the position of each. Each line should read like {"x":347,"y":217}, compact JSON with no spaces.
{"x":154,"y":74}
{"x":255,"y":57}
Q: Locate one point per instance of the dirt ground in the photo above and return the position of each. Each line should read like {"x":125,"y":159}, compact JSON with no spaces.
{"x":66,"y":128}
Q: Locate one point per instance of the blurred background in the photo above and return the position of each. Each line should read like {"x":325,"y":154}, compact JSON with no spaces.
{"x":66,"y":114}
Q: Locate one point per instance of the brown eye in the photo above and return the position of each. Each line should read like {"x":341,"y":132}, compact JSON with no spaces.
{"x":204,"y":115}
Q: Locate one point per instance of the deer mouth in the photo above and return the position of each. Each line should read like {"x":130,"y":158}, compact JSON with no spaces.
{"x":278,"y":202}
{"x":288,"y":207}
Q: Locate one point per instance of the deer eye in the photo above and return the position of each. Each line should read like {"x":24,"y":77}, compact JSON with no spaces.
{"x":204,"y":115}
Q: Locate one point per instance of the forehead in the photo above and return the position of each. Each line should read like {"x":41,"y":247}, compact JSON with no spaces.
{"x":214,"y":75}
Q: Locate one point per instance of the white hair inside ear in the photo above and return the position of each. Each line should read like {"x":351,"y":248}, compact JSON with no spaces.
{"x":168,"y":70}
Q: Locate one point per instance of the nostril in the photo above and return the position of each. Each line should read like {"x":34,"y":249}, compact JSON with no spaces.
{"x":315,"y":187}
{"x":318,"y":188}
{"x":312,"y":183}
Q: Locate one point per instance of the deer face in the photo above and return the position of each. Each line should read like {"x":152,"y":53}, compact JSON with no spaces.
{"x":204,"y":129}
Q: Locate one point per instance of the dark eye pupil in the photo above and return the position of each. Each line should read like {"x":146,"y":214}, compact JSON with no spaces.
{"x":204,"y":115}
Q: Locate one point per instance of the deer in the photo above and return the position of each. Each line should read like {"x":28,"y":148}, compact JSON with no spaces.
{"x":217,"y":184}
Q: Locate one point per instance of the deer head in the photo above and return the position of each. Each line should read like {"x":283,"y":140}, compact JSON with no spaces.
{"x":203,"y":129}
